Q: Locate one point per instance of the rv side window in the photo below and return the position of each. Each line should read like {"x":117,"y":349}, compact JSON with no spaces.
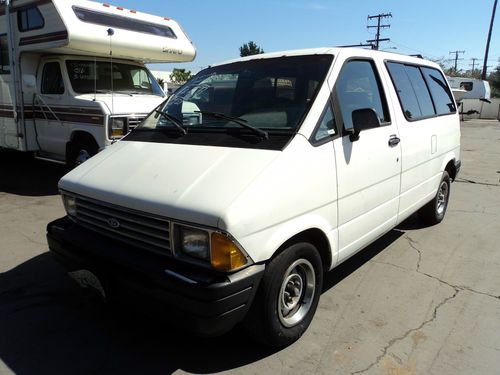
{"x":467,"y":86}
{"x":4,"y":55}
{"x":110,"y":20}
{"x":52,"y":81}
{"x":443,"y":99}
{"x":30,"y":19}
{"x":358,"y":87}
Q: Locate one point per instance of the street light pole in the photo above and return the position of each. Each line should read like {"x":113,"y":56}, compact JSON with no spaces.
{"x":485,"y":67}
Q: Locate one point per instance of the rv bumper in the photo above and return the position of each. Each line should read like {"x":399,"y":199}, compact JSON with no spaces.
{"x":207,"y":302}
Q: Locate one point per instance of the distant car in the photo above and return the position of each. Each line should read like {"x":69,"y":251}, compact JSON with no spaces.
{"x":229,"y":202}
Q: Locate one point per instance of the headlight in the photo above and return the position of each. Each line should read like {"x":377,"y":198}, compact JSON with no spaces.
{"x":69,"y":204}
{"x":117,"y":127}
{"x":215,"y":249}
{"x":193,"y":242}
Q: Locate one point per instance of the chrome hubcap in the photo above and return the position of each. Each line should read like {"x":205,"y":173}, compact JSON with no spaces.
{"x":296,"y":293}
{"x":442,"y":198}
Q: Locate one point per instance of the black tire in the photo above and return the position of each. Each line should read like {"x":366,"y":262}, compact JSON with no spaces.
{"x":433,"y":212}
{"x":267,"y":321}
{"x":79,"y":150}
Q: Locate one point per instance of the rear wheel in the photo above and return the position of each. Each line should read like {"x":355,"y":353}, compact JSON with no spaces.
{"x":434,"y":211}
{"x":288,"y":296}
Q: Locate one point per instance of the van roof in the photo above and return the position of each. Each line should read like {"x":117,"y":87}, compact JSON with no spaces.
{"x":355,"y":52}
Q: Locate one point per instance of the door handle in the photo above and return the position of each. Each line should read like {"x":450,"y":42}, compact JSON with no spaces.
{"x":394,"y":140}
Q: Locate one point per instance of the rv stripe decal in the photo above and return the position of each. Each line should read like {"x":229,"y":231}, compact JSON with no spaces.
{"x":44,"y":38}
{"x":91,"y":116}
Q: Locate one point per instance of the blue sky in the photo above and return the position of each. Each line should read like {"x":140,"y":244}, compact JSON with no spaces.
{"x":432,"y":28}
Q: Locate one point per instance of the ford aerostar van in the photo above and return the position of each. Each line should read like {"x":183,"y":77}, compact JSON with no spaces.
{"x":231,"y":200}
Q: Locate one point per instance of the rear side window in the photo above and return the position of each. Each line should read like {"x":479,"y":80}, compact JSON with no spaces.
{"x":443,"y":99}
{"x":422,"y":91}
{"x":358,"y":87}
{"x":52,"y":81}
{"x":30,"y":19}
{"x":4,"y":55}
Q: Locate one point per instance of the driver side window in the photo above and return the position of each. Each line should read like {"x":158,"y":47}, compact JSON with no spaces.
{"x":358,"y":87}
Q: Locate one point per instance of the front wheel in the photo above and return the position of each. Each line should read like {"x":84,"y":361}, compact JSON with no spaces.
{"x":434,"y":211}
{"x":288,"y":296}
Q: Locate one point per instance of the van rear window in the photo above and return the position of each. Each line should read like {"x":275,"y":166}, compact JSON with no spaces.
{"x":111,"y":20}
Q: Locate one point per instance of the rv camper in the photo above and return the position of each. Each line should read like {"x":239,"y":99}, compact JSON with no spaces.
{"x":469,"y":88}
{"x":72,"y":74}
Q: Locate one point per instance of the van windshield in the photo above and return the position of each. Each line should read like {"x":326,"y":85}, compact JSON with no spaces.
{"x":87,"y":76}
{"x":272,"y":94}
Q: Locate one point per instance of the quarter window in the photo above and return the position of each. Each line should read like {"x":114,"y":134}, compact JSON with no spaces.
{"x":52,"y":81}
{"x":326,"y":126}
{"x":30,"y":19}
{"x":443,"y":99}
{"x":421,"y":91}
{"x":358,"y":87}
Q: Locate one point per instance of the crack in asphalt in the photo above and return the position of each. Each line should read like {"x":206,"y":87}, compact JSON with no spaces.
{"x":456,"y":288}
{"x":407,"y":333}
{"x":466,"y":181}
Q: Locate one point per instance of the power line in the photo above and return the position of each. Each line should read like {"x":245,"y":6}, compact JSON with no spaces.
{"x":379,"y":26}
{"x":456,"y":56}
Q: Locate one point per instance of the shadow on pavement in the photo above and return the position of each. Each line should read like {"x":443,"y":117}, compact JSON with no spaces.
{"x":23,"y":175}
{"x":49,"y":325}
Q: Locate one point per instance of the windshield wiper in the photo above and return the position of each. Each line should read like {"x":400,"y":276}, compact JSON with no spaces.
{"x":174,"y":120}
{"x":237,"y":120}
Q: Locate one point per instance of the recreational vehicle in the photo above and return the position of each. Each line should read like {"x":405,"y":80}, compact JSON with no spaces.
{"x":469,"y":88}
{"x":72,"y":74}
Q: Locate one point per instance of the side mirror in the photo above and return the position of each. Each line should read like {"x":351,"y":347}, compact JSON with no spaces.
{"x":29,"y":82}
{"x":362,"y":119}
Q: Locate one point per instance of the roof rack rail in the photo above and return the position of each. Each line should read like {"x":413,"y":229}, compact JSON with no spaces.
{"x":418,"y":55}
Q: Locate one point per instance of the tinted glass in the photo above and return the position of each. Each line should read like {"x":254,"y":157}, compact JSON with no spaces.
{"x":405,"y":90}
{"x":358,"y":88}
{"x":267,"y":93}
{"x":29,"y":19}
{"x":421,"y":91}
{"x":109,"y":20}
{"x":326,"y":126}
{"x":52,"y":81}
{"x":443,"y":99}
{"x":4,"y":55}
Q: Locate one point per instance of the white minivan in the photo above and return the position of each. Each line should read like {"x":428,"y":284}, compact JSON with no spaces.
{"x":231,"y":200}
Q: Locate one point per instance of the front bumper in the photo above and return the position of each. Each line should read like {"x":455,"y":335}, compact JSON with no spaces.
{"x":208,"y":303}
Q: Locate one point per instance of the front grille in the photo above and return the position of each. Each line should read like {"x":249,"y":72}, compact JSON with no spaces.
{"x":133,"y":227}
{"x":132,"y":122}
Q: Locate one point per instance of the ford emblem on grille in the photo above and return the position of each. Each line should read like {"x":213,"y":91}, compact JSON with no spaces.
{"x":113,"y":223}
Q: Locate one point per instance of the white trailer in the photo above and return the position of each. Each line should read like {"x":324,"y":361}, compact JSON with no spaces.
{"x":469,"y":88}
{"x":72,"y":74}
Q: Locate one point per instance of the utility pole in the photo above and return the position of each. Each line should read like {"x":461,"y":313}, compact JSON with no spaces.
{"x":485,"y":68}
{"x":474,"y":59}
{"x":456,"y":57}
{"x":379,"y":26}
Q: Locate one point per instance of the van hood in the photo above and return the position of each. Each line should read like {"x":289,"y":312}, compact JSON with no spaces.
{"x":188,"y":183}
{"x":125,"y":104}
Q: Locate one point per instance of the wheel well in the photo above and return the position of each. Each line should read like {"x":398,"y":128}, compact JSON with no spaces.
{"x":83,"y":137}
{"x":451,"y":169}
{"x":315,"y":237}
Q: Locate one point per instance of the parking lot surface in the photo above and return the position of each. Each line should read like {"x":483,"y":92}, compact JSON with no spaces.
{"x":420,"y":300}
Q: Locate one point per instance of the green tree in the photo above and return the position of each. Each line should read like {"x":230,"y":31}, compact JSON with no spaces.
{"x":161,"y":82}
{"x":494,"y":79}
{"x":249,"y":49}
{"x":180,"y":75}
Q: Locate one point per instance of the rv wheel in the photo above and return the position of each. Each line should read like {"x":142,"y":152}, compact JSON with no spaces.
{"x":79,"y":151}
{"x":288,"y":296}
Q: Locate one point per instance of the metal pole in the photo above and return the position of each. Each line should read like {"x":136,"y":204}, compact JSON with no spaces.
{"x":12,"y":54}
{"x":483,"y":75}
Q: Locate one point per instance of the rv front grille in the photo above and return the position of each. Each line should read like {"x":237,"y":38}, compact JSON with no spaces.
{"x":134,"y":121}
{"x":136,"y":228}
